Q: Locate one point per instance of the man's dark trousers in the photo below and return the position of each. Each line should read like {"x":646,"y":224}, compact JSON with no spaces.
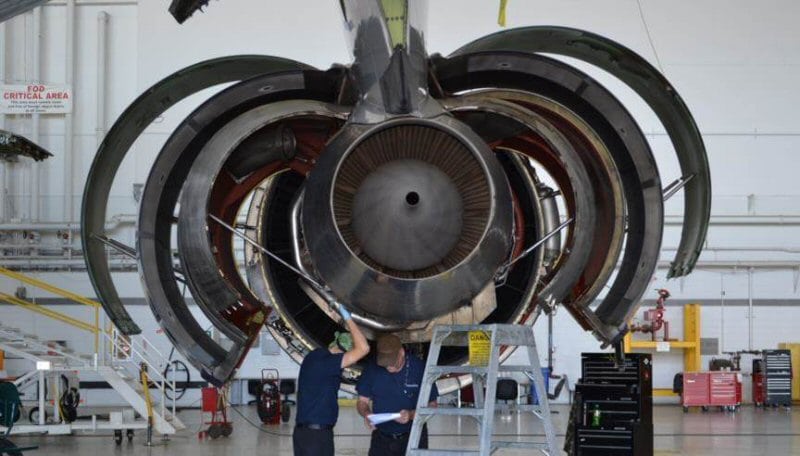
{"x":312,"y":442}
{"x":388,"y":445}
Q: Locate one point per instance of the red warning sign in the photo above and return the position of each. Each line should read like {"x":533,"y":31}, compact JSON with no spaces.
{"x":35,"y":99}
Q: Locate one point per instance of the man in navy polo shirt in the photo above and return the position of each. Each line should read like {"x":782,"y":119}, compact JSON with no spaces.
{"x":390,"y":383}
{"x":318,"y":388}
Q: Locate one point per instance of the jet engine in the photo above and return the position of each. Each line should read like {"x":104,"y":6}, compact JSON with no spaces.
{"x":486,"y":186}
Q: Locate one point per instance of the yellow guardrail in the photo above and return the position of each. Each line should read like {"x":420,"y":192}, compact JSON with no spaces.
{"x":33,"y":307}
{"x":47,"y":287}
{"x":47,"y":312}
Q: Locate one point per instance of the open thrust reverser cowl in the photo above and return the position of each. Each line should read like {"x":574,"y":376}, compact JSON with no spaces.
{"x":410,"y":188}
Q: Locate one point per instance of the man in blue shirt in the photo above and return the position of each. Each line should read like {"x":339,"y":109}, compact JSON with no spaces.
{"x":318,"y":388}
{"x":390,"y":383}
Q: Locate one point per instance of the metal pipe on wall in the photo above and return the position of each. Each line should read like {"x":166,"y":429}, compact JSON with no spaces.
{"x":18,"y":169}
{"x":741,"y":265}
{"x":783,"y":220}
{"x":3,"y":192}
{"x":776,"y":249}
{"x":69,"y":126}
{"x":36,"y":118}
{"x":3,"y":164}
{"x":722,"y":312}
{"x":750,"y":308}
{"x":102,"y":29}
{"x":39,"y":247}
{"x":115,"y":222}
{"x":54,"y":263}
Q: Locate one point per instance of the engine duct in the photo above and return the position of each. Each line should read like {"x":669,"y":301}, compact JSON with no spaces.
{"x":408,"y":220}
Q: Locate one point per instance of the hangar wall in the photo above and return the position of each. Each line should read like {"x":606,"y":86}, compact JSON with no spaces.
{"x":736,"y":76}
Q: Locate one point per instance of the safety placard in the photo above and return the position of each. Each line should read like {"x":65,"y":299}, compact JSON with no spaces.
{"x":35,"y":99}
{"x":480,"y":345}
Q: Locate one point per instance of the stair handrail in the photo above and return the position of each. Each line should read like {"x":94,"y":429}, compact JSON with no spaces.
{"x":143,"y":349}
{"x":48,"y":287}
{"x":40,"y":346}
{"x":94,"y":328}
{"x":145,"y":346}
{"x":137,"y":353}
{"x":33,"y":307}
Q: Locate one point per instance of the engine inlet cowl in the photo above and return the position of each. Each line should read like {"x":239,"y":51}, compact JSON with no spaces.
{"x":416,"y":217}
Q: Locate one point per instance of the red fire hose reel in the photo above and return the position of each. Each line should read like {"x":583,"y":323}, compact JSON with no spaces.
{"x":654,"y":318}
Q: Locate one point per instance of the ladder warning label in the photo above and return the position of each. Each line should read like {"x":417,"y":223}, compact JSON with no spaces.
{"x":480,"y":345}
{"x":35,"y":99}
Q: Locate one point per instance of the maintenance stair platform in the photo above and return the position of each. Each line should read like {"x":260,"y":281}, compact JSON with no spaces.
{"x":487,"y":339}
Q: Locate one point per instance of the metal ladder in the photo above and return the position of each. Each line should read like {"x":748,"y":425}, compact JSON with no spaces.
{"x":482,"y":376}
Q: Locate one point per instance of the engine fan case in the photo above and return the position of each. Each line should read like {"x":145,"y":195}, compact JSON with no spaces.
{"x":394,"y":295}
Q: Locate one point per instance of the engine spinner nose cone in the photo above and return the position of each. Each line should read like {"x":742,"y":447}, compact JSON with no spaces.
{"x":407,"y":215}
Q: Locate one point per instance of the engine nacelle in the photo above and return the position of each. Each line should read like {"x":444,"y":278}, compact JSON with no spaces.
{"x":415,"y":190}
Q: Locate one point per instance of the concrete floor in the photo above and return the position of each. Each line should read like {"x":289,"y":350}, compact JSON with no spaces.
{"x":747,"y":432}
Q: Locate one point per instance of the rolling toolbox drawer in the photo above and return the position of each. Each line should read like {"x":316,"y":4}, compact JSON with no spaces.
{"x":605,"y":442}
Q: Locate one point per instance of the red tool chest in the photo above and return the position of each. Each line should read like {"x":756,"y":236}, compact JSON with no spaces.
{"x":723,"y":389}
{"x":695,"y":389}
{"x":717,"y":388}
{"x":759,"y":385}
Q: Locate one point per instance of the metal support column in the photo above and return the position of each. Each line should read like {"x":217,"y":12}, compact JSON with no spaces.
{"x":42,"y":399}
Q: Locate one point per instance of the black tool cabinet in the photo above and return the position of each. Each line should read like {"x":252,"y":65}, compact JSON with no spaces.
{"x":623,"y":395}
{"x":777,"y":370}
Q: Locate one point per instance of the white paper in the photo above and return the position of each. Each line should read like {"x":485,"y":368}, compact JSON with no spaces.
{"x":662,"y":346}
{"x":378,"y":418}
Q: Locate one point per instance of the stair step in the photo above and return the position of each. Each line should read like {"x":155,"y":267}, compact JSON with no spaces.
{"x":495,"y":446}
{"x":456,"y":335}
{"x":518,"y":445}
{"x":20,"y":345}
{"x":513,"y":368}
{"x":443,"y":452}
{"x":130,"y":390}
{"x":9,"y":336}
{"x":449,"y":411}
{"x":133,"y":382}
{"x":446,"y":370}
